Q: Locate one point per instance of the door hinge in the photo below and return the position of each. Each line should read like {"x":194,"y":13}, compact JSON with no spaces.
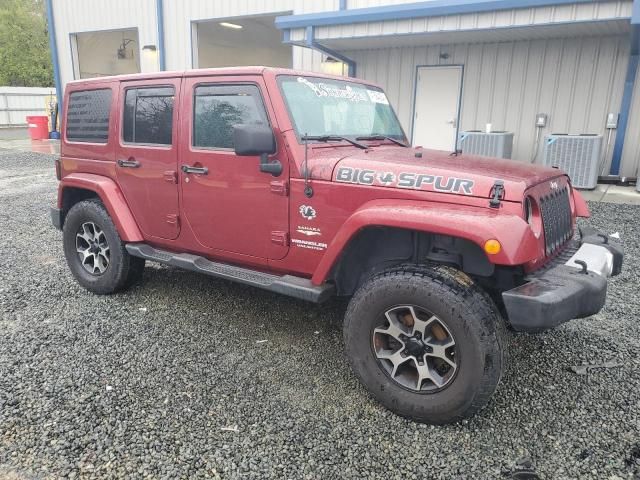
{"x":280,"y":187}
{"x":171,"y":176}
{"x":173,"y":219}
{"x":280,"y":238}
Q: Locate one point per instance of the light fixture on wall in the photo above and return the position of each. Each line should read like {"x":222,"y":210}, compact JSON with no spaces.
{"x":150,"y":48}
{"x":444,"y":56}
{"x":234,"y":26}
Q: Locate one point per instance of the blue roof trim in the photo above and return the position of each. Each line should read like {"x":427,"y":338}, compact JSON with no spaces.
{"x":416,"y":10}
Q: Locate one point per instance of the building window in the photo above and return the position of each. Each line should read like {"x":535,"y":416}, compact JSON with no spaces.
{"x":217,"y":108}
{"x":88,"y":116}
{"x":148,"y":115}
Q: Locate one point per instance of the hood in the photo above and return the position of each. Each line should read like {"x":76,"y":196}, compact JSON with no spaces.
{"x":429,"y":170}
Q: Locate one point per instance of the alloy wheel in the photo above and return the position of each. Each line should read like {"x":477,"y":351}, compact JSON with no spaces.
{"x":93,"y":249}
{"x":416,"y":349}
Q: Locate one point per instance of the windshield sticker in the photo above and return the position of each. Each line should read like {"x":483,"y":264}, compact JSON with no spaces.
{"x":416,"y":181}
{"x":326,"y":90}
{"x":377,"y":97}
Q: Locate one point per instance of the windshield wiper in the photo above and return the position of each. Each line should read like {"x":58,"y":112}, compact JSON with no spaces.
{"x":329,"y":138}
{"x":383,"y":137}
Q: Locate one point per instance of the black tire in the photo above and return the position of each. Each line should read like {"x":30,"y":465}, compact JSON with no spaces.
{"x":467,"y":313}
{"x":122,"y":270}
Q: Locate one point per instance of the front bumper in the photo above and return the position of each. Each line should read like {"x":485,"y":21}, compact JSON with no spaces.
{"x":576,"y":288}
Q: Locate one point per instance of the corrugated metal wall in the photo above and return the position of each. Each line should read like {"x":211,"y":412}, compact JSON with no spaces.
{"x":517,"y":17}
{"x":576,"y":81}
{"x":16,"y":103}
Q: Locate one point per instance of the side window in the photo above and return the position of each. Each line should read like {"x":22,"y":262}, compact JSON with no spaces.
{"x":148,"y":115}
{"x":88,"y":116}
{"x":217,"y":108}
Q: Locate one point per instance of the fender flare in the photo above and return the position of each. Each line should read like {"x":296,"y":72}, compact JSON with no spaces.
{"x":112,"y":198}
{"x":519,"y":244}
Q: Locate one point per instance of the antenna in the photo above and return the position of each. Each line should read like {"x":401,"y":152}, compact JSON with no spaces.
{"x":308,"y":190}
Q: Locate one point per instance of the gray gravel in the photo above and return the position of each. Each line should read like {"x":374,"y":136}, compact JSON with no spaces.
{"x":170,"y":379}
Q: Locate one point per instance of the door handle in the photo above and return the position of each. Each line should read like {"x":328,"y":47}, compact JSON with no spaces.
{"x":196,"y":170}
{"x":131,"y":163}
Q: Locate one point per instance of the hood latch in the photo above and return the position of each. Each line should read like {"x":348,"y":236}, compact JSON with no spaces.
{"x":497,"y":192}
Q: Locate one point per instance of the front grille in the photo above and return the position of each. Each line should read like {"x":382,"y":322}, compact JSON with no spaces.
{"x":556,"y":219}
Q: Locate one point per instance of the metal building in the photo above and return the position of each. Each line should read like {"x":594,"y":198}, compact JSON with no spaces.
{"x":447,"y":65}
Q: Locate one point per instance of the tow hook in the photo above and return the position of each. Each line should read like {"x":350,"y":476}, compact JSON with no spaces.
{"x":583,"y":264}
{"x":497,"y":191}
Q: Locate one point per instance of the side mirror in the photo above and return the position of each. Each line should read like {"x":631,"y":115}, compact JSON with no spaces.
{"x":251,"y":140}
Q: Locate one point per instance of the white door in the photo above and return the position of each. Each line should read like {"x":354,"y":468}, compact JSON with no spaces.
{"x":435,"y":124}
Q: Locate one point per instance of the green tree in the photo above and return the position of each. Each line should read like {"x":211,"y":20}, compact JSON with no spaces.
{"x":25,"y":60}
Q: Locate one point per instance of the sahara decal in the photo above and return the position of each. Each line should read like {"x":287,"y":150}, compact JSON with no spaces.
{"x":308,"y":231}
{"x":416,"y":181}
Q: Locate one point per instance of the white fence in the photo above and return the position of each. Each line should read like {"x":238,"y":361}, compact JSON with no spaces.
{"x":18,"y":102}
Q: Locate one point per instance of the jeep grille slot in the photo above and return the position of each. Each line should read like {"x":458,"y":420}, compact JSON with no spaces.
{"x":556,"y":219}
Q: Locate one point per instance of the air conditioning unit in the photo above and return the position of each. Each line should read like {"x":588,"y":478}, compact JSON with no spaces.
{"x":494,"y":144}
{"x":578,"y":155}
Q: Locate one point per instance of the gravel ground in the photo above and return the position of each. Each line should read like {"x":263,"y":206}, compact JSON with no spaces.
{"x":175,"y":379}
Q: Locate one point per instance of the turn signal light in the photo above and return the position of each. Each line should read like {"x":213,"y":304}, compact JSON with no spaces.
{"x":492,"y":246}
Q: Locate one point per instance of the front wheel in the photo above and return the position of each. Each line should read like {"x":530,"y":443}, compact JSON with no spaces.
{"x":426,"y":342}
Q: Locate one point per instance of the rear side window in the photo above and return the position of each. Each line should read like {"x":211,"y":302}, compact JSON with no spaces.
{"x":88,"y":116}
{"x":148,"y":115}
{"x":217,"y":108}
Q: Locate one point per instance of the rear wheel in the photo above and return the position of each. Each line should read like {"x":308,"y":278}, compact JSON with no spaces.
{"x":94,"y":251}
{"x":426,"y":342}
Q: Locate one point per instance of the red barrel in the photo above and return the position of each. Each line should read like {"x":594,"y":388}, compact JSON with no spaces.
{"x":38,"y":127}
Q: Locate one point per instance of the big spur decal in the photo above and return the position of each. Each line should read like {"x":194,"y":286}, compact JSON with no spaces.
{"x":416,"y":181}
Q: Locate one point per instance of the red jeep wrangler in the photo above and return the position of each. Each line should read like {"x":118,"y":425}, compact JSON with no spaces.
{"x":304,"y":184}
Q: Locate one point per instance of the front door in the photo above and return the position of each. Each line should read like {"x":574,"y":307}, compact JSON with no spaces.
{"x":147,"y":156}
{"x":435,"y":123}
{"x":230,"y":205}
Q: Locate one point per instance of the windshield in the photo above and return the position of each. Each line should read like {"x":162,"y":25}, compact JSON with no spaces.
{"x":327,"y":107}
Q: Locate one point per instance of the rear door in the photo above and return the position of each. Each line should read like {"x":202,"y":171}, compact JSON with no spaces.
{"x":147,"y":154}
{"x":228,"y":202}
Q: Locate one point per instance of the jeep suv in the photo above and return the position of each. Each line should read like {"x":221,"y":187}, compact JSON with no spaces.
{"x":305,"y":185}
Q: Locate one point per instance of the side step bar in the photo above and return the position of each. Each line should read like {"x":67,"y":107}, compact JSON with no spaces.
{"x":297,"y":287}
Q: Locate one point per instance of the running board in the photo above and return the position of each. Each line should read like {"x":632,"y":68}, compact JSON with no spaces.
{"x":297,"y":287}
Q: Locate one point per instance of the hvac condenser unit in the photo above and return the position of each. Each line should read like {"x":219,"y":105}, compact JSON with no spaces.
{"x":494,"y":144}
{"x":578,"y":155}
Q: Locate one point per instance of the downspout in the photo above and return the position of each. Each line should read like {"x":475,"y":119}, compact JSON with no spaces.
{"x":54,"y":57}
{"x":311,"y":43}
{"x":627,"y":95}
{"x":160,"y":22}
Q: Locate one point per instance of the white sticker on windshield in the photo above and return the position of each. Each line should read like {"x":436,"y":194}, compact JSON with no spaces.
{"x":378,"y":97}
{"x":327,"y":90}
